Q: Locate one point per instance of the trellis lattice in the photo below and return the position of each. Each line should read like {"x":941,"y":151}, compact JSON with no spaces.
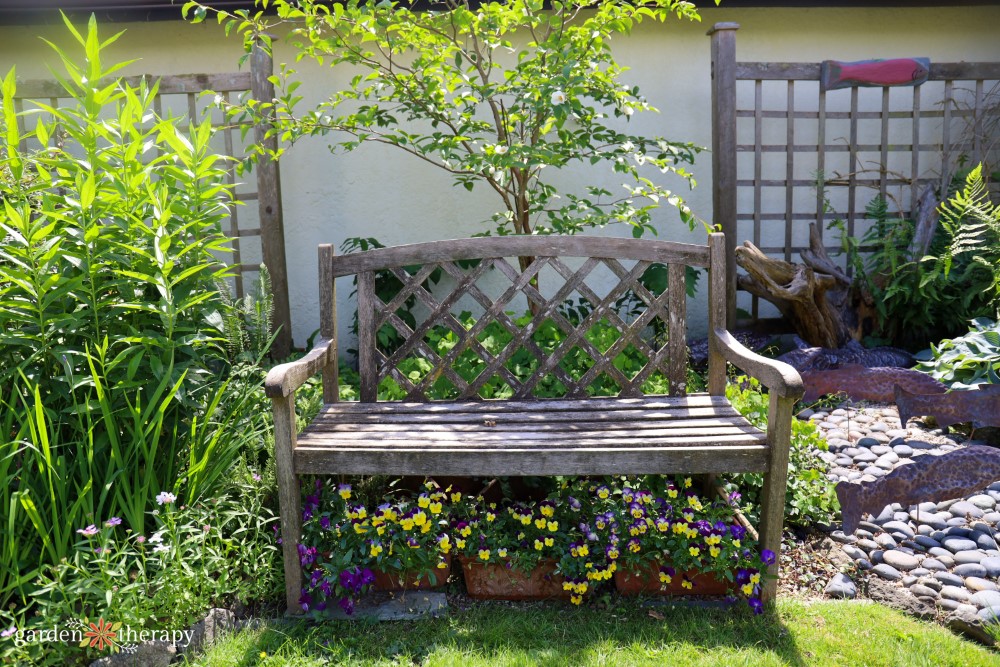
{"x":545,"y":369}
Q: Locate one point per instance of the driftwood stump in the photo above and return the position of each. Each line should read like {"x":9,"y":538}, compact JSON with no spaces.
{"x":816,"y":297}
{"x":826,"y":307}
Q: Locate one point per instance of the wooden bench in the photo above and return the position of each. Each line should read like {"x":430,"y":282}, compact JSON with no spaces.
{"x":525,"y":435}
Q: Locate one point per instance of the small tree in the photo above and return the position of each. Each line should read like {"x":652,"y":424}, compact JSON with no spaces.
{"x":493,"y":93}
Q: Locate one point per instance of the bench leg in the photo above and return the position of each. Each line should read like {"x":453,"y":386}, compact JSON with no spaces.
{"x":289,"y":498}
{"x":772,"y":511}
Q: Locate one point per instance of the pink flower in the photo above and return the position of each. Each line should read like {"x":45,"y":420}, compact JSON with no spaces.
{"x":141,"y":539}
{"x":165,"y":498}
{"x":89,"y":531}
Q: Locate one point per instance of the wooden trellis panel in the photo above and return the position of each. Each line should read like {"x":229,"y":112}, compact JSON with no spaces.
{"x":787,"y":153}
{"x":184,"y":91}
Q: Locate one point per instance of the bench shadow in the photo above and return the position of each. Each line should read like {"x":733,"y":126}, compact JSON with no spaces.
{"x":544,"y":634}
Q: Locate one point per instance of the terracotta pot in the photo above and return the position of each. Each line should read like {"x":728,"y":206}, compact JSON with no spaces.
{"x":411,"y":580}
{"x":646,"y":580}
{"x":499,"y":581}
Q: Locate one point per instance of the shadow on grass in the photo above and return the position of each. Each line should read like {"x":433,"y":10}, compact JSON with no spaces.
{"x":536,"y":633}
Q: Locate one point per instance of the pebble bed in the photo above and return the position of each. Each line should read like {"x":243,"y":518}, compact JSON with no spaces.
{"x":946,"y":554}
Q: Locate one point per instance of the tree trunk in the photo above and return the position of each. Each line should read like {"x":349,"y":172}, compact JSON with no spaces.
{"x":816,"y":297}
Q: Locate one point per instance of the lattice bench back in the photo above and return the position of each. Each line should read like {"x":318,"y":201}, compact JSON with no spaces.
{"x":526,"y":362}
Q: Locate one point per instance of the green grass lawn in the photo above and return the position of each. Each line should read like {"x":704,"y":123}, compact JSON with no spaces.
{"x":493,"y":634}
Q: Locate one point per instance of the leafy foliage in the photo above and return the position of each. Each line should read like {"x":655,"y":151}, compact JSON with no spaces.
{"x":493,"y":93}
{"x":115,"y":382}
{"x":926,"y":298}
{"x":809,"y":495}
{"x":968,"y":360}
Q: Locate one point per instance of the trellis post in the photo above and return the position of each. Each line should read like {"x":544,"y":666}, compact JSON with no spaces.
{"x":272,"y":228}
{"x":724,"y":150}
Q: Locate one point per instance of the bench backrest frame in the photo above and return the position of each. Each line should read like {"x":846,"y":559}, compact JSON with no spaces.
{"x":544,"y":251}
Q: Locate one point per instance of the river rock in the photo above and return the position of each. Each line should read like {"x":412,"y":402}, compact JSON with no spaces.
{"x":841,"y":586}
{"x":899,"y":560}
{"x":887,"y":572}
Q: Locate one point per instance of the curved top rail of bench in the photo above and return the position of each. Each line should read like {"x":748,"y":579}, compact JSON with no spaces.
{"x":666,"y":252}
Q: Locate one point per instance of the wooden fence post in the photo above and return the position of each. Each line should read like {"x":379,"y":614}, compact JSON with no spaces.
{"x":724,"y":150}
{"x":272,"y":228}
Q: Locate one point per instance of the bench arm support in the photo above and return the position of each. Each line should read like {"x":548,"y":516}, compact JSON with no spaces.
{"x":284,"y":379}
{"x":777,"y":376}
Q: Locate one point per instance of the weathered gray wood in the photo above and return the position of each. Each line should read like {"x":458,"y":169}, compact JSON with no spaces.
{"x":289,"y":497}
{"x":502,"y":440}
{"x":772,"y":510}
{"x":717,"y":286}
{"x":284,"y":379}
{"x":328,"y":321}
{"x":533,"y":461}
{"x":547,"y":405}
{"x":174,"y":84}
{"x":789,"y":172}
{"x":272,"y":237}
{"x":777,"y":376}
{"x":367,"y":367}
{"x":666,"y":252}
{"x":724,"y":151}
{"x":810,"y":71}
{"x":677,"y":329}
{"x":540,"y":422}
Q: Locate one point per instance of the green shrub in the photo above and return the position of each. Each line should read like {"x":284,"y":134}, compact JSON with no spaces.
{"x":809,"y":496}
{"x":968,"y":360}
{"x":918,"y":299}
{"x":115,"y":384}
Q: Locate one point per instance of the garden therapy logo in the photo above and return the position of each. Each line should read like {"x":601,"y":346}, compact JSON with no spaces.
{"x":101,"y":634}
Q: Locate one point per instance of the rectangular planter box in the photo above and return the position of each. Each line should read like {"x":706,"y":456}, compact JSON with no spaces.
{"x":647,"y":582}
{"x":489,"y":581}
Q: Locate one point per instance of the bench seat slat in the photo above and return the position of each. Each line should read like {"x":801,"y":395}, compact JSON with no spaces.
{"x":620,"y":436}
{"x":474,"y":461}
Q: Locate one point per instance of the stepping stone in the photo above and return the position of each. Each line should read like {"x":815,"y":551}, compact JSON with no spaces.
{"x":887,"y":514}
{"x":863,"y":534}
{"x":887,"y":572}
{"x":926,"y":507}
{"x":870,"y":527}
{"x":957,"y":593}
{"x":920,"y":571}
{"x":978,"y":584}
{"x":841,"y":586}
{"x":839,"y":536}
{"x":864,"y":456}
{"x":900,"y":561}
{"x":970,"y":570}
{"x":927,"y":542}
{"x":868,"y":442}
{"x":985,"y":599}
{"x":413,"y":605}
{"x":950,"y":605}
{"x":880,"y":450}
{"x":992,"y":517}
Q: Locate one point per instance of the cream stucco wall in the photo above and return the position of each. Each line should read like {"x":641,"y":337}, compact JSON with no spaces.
{"x":376,"y":192}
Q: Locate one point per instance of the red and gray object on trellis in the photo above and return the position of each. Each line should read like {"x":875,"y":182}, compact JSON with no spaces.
{"x":834,"y":74}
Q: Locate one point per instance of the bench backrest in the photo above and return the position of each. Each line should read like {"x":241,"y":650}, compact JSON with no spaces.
{"x":471,"y":267}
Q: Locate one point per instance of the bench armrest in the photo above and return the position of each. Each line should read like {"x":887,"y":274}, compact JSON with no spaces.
{"x":777,"y":376}
{"x":283,"y":379}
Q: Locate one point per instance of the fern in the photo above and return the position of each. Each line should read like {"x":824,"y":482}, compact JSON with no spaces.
{"x":972,"y":223}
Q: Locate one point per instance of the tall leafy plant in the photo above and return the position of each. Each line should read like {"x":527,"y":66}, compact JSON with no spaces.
{"x":497,"y":94}
{"x":111,"y":371}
